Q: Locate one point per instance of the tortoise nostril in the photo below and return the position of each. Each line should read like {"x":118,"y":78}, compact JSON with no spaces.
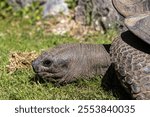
{"x":47,"y":63}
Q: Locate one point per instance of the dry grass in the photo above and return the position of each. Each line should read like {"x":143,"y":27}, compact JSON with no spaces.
{"x":20,"y":60}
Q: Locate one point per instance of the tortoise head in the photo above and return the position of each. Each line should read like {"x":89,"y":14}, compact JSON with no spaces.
{"x":50,"y":67}
{"x":131,"y":7}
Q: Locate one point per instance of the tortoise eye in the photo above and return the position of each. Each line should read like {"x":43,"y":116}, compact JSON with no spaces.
{"x":47,"y":63}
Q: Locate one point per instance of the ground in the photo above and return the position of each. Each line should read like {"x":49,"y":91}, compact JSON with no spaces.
{"x":17,"y":35}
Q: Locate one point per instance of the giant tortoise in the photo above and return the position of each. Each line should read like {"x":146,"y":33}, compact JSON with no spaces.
{"x":129,"y":54}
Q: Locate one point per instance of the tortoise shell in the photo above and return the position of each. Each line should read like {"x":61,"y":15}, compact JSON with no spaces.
{"x":140,"y":26}
{"x":131,"y":7}
{"x":137,"y":16}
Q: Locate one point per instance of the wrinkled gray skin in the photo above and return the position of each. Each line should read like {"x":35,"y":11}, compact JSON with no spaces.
{"x":130,"y":57}
{"x":130,"y":52}
{"x":66,"y":63}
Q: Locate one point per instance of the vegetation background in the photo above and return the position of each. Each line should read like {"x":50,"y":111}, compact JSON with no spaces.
{"x":20,"y":32}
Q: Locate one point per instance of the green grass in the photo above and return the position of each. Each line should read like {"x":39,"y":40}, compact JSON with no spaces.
{"x":18,"y":35}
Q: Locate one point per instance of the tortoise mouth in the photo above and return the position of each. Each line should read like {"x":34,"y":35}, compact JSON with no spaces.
{"x":48,"y":76}
{"x":41,"y":74}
